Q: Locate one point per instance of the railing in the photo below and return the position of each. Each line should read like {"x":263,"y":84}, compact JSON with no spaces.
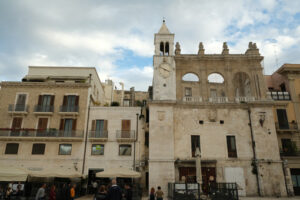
{"x":39,"y":133}
{"x":125,"y":134}
{"x":224,"y":191}
{"x":244,"y":99}
{"x":287,"y":126}
{"x":17,"y":108}
{"x":69,"y":109}
{"x":191,"y":99}
{"x":279,"y":96}
{"x":43,"y":108}
{"x":218,"y":99}
{"x":98,"y":134}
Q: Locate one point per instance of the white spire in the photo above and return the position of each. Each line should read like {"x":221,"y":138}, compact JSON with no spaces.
{"x":164,"y":29}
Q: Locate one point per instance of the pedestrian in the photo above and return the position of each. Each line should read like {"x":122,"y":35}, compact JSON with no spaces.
{"x":72,"y":191}
{"x":114,"y":192}
{"x":41,"y":195}
{"x":68,"y":196}
{"x":1,"y":192}
{"x":128,"y":192}
{"x":8,"y":193}
{"x":152,"y":194}
{"x":19,"y":191}
{"x":101,"y":194}
{"x":159,"y":194}
{"x":95,"y":186}
{"x":52,"y":194}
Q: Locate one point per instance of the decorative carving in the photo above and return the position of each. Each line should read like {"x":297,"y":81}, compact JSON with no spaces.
{"x":225,"y":49}
{"x":177,"y":50}
{"x":201,"y":49}
{"x":212,"y":115}
{"x":252,"y":49}
{"x":161,"y":115}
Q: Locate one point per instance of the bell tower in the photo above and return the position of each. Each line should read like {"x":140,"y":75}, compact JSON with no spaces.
{"x":164,"y":74}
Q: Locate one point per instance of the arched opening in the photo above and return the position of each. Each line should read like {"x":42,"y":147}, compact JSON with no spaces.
{"x":167,"y":48}
{"x":190,"y":77}
{"x":215,"y":78}
{"x":161,"y":48}
{"x":241,"y":82}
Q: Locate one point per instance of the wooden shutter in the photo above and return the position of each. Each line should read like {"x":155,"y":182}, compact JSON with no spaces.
{"x":105,"y":125}
{"x":65,"y":101}
{"x":77,"y":101}
{"x":17,"y":123}
{"x":93,"y":125}
{"x":42,"y":124}
{"x":125,"y":125}
{"x":74,"y":124}
{"x":40,"y":100}
{"x":52,"y":100}
{"x":62,"y":124}
{"x":282,"y":119}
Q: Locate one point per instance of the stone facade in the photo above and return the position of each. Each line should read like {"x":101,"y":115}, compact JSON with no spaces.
{"x":213,"y":112}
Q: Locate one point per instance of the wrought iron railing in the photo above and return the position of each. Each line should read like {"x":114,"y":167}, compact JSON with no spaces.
{"x":69,"y":108}
{"x":223,"y":191}
{"x":43,"y":108}
{"x":98,"y":134}
{"x":39,"y":133}
{"x":287,"y":126}
{"x":120,"y":134}
{"x":18,"y":108}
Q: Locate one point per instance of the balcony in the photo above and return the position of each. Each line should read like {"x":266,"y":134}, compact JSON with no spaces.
{"x":42,"y":109}
{"x":286,"y":128}
{"x":218,"y":99}
{"x":125,"y":136}
{"x":244,"y":99}
{"x":69,"y":109}
{"x":190,"y":99}
{"x":40,"y":135}
{"x":98,"y":136}
{"x":18,"y":108}
{"x":279,"y":96}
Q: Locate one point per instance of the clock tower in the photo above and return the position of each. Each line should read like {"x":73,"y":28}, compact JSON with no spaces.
{"x":164,"y":74}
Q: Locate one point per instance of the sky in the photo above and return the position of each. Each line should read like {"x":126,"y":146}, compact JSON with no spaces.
{"x":116,"y":36}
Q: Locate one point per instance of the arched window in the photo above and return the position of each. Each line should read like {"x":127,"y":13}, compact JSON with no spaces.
{"x":241,"y":83}
{"x":215,"y":78}
{"x":190,"y":77}
{"x":161,"y":48}
{"x":167,"y":48}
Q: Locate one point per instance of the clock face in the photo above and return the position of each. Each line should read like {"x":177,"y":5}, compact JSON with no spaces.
{"x":165,"y":70}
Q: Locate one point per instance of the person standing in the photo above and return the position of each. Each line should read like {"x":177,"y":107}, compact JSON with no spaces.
{"x":152,"y":194}
{"x":40,"y":195}
{"x":114,"y":192}
{"x":8,"y":193}
{"x":52,"y":194}
{"x":128,"y":192}
{"x":95,"y":186}
{"x":72,"y":192}
{"x":68,"y":189}
{"x":101,"y":194}
{"x":159,"y":194}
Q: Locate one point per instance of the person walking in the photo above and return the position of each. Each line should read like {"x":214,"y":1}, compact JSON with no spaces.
{"x":128,"y":192}
{"x":101,"y":194}
{"x":68,"y":189}
{"x":152,"y":194}
{"x":40,"y":195}
{"x":159,"y":194}
{"x":114,"y":192}
{"x":72,"y":191}
{"x":52,"y":194}
{"x":8,"y":193}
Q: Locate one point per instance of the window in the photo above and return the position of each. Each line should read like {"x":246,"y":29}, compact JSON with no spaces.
{"x":68,"y":127}
{"x":125,"y":132}
{"x":282,"y":87}
{"x":188,"y":92}
{"x":215,"y":78}
{"x":45,"y":103}
{"x":282,"y":119}
{"x":161,"y":48}
{"x":12,"y":148}
{"x":146,"y":138}
{"x":190,"y":77}
{"x":125,"y":150}
{"x":38,"y":149}
{"x":21,"y":101}
{"x":99,"y":128}
{"x":97,"y":149}
{"x":231,"y":147}
{"x":16,"y":126}
{"x":126,"y":102}
{"x":70,"y":103}
{"x":65,"y":149}
{"x":195,"y":143}
{"x":167,"y":48}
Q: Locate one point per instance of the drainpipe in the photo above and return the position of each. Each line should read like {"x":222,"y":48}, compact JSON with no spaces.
{"x":254,"y":152}
{"x":135,"y":139}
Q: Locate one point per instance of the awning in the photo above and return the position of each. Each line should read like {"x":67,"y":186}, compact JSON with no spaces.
{"x":54,"y":172}
{"x":12,"y":174}
{"x":118,"y":172}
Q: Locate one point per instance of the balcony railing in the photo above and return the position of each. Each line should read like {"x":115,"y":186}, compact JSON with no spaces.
{"x":244,"y":99}
{"x":218,"y":99}
{"x":43,"y":108}
{"x":125,"y":134}
{"x":286,"y":127}
{"x":279,"y":96}
{"x":17,"y":108}
{"x":40,"y":133}
{"x":69,"y":109}
{"x":98,"y":134}
{"x":191,"y":99}
{"x":290,"y":153}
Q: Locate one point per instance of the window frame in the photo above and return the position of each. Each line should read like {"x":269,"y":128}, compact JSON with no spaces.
{"x":189,"y":91}
{"x":35,"y":144}
{"x":231,"y":153}
{"x":59,"y":149}
{"x":196,"y":137}
{"x":9,"y":153}
{"x":123,"y":145}
{"x":93,"y":154}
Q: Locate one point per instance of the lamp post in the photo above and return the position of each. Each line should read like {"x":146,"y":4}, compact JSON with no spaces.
{"x":198,"y":168}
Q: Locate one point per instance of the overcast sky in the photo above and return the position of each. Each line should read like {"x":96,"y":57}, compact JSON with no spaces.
{"x":116,"y":36}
